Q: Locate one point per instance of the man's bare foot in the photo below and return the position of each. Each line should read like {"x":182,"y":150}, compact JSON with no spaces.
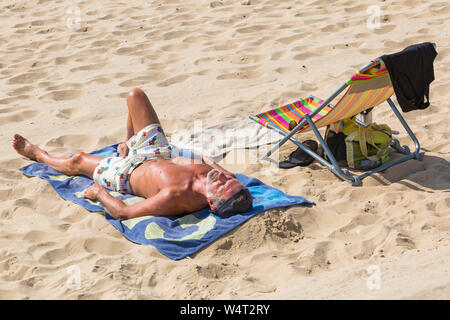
{"x":25,"y":148}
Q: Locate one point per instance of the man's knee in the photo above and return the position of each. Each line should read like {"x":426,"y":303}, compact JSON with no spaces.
{"x":75,"y":162}
{"x":136,"y":93}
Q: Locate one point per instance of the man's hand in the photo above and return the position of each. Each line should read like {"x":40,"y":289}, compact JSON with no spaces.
{"x":113,"y":205}
{"x":122,"y":149}
{"x":92,"y":192}
{"x":215,"y":165}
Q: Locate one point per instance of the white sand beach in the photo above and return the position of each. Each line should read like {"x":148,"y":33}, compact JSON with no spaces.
{"x":65,"y":70}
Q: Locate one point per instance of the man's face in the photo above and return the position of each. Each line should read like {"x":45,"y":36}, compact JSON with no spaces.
{"x":222,"y":185}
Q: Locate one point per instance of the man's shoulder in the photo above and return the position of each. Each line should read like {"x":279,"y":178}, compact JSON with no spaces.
{"x":178,"y":190}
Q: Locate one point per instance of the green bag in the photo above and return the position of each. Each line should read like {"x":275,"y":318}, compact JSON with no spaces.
{"x":366,"y":147}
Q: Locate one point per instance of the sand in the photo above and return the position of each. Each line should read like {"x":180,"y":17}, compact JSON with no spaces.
{"x":63,"y":84}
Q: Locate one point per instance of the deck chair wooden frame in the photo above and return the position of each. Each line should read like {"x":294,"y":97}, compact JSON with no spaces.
{"x":308,"y":122}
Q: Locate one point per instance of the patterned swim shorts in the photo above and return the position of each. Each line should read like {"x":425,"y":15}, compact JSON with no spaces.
{"x":149,"y":143}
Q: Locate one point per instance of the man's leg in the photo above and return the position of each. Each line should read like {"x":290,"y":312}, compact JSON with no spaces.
{"x":140,"y":115}
{"x":140,"y":112}
{"x":80,"y":164}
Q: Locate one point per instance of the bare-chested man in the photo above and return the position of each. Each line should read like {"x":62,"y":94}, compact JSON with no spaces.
{"x":147,"y":167}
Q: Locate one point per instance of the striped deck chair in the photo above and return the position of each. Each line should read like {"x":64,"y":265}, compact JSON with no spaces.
{"x":367,"y":88}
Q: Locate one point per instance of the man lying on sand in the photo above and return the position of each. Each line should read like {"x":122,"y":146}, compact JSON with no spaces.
{"x":148,"y":168}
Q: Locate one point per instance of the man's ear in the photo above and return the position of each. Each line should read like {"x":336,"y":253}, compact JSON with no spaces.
{"x":211,"y":204}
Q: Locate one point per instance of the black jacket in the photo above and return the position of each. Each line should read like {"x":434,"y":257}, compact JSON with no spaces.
{"x":411,"y":72}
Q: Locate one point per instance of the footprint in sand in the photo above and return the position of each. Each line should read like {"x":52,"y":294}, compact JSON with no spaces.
{"x":27,"y":78}
{"x":18,"y":117}
{"x":252,"y":29}
{"x":71,"y":113}
{"x":130,"y":51}
{"x":303,"y":56}
{"x":403,"y":240}
{"x":245,"y":58}
{"x":61,"y":95}
{"x":357,"y":8}
{"x":6,"y":194}
{"x":215,"y":4}
{"x":206,"y":60}
{"x":241,"y":75}
{"x":277,"y":55}
{"x":24,"y":202}
{"x":375,"y":236}
{"x":175,"y":35}
{"x":212,"y":271}
{"x":10,"y":109}
{"x":221,"y":45}
{"x":99,"y":80}
{"x":287,"y":70}
{"x":384,"y":29}
{"x":173,"y":80}
{"x":206,"y":72}
{"x":105,"y":246}
{"x":43,"y":237}
{"x":66,"y":85}
{"x":290,"y":39}
{"x":79,"y":141}
{"x":54,"y":256}
{"x":154,"y":76}
{"x":105,"y":43}
{"x":62,"y":60}
{"x":358,"y":221}
{"x":20,"y":90}
{"x":196,"y":39}
{"x":95,"y":66}
{"x":175,"y":47}
{"x":14,"y":99}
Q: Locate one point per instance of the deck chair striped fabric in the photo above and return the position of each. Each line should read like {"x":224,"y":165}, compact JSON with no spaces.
{"x":282,"y":116}
{"x":364,"y":91}
{"x":367,"y":88}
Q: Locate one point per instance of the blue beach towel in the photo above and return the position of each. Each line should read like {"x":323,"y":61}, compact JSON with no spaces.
{"x":175,"y":236}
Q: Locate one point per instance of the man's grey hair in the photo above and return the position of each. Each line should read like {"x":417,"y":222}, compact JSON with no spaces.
{"x":217,"y":201}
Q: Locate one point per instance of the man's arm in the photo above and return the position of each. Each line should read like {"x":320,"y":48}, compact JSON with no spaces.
{"x":211,"y":163}
{"x":161,"y":204}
